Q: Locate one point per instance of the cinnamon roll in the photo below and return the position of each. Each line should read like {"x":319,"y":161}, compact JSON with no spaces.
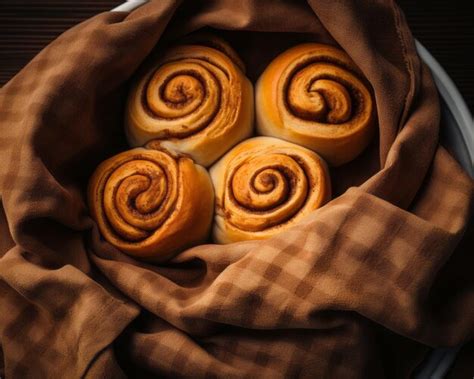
{"x":314,"y":95}
{"x":151,"y":204}
{"x":265,"y":185}
{"x":194,"y":100}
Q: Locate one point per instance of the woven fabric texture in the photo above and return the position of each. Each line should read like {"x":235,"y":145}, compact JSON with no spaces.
{"x":378,"y":269}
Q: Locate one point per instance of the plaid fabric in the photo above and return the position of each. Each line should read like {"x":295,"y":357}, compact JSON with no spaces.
{"x":333,"y":297}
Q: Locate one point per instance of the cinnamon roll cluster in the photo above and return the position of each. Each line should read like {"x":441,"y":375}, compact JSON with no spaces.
{"x":191,"y":110}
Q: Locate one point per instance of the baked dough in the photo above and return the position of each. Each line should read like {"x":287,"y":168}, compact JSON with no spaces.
{"x":151,"y":204}
{"x":315,"y":96}
{"x":193,"y":100}
{"x":265,"y":185}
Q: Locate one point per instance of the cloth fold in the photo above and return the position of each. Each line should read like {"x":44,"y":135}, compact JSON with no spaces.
{"x":375,"y":269}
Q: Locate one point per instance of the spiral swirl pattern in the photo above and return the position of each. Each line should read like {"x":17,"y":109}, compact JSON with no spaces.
{"x":314,"y":95}
{"x":141,"y":199}
{"x":194,"y":100}
{"x":264,"y":185}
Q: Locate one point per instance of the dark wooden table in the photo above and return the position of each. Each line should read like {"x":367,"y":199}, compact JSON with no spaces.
{"x":444,"y":27}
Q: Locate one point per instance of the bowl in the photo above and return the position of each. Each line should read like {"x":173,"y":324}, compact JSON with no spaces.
{"x":457,"y":134}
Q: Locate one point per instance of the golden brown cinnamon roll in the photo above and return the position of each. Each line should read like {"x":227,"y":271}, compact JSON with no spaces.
{"x":314,"y":95}
{"x":151,"y":204}
{"x":194,"y":100}
{"x":265,"y":185}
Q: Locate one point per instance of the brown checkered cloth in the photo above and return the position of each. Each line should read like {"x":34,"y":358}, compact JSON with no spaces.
{"x":359,"y":289}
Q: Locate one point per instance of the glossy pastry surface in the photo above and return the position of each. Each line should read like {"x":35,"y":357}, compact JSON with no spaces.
{"x":314,"y":95}
{"x":265,"y":185}
{"x":194,"y":100}
{"x":151,"y":204}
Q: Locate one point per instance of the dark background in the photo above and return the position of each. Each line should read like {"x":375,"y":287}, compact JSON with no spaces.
{"x":444,"y":27}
